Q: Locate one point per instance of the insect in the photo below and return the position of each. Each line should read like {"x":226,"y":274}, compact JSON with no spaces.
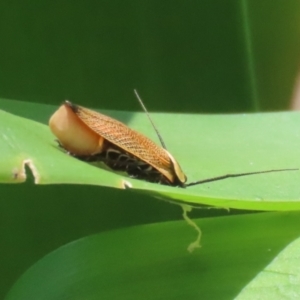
{"x":92,"y":136}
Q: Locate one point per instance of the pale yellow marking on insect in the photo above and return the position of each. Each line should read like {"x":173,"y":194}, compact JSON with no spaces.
{"x":177,"y":169}
{"x":196,"y":244}
{"x":20,"y":174}
{"x":73,"y":134}
{"x":126,"y":184}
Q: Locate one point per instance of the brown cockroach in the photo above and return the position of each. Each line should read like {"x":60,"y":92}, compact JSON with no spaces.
{"x":92,"y":136}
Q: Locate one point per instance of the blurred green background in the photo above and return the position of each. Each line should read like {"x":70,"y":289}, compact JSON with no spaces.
{"x":182,"y":56}
{"x":205,"y":56}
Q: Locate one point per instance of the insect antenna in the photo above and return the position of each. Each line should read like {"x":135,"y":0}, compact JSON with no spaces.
{"x":148,"y":115}
{"x":235,"y":175}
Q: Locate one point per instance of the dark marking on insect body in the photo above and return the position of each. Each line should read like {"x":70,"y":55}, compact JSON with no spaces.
{"x":120,"y":161}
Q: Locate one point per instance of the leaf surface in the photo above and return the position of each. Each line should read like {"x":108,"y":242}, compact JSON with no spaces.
{"x":151,"y":261}
{"x":205,"y":145}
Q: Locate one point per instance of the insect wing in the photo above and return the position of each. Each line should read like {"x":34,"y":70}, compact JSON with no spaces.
{"x":127,"y":139}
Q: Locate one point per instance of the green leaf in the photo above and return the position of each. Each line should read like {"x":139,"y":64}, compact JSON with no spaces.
{"x":279,"y":280}
{"x":205,"y":145}
{"x":151,"y":262}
